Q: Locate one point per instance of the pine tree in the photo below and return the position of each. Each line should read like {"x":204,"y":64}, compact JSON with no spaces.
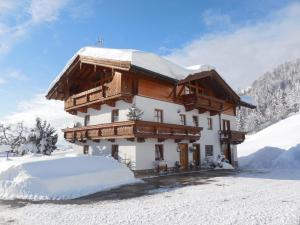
{"x":43,"y":136}
{"x":134,"y":113}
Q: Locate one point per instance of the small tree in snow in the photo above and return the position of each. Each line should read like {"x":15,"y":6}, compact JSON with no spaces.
{"x":42,"y":138}
{"x":134,"y":113}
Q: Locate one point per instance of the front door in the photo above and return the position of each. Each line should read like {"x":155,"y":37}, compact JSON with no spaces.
{"x":196,"y":154}
{"x":184,"y":156}
{"x":227,"y":151}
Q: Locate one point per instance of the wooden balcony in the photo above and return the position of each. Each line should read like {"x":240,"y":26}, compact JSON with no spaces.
{"x":133,"y":129}
{"x":232,"y":137}
{"x":94,"y":98}
{"x":202,"y":102}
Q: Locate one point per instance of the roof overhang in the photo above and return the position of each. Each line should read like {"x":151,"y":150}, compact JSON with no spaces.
{"x":214,"y":75}
{"x":78,"y":61}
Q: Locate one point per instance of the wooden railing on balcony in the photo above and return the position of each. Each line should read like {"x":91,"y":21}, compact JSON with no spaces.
{"x":96,"y":95}
{"x":231,"y":136}
{"x":133,"y":129}
{"x":193,"y":101}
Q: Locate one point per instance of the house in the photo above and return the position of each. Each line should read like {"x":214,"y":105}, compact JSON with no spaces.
{"x":188,"y":114}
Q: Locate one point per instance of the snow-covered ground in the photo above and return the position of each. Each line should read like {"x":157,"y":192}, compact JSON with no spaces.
{"x":63,"y":175}
{"x":283,"y":134}
{"x":248,"y":198}
{"x":275,"y":147}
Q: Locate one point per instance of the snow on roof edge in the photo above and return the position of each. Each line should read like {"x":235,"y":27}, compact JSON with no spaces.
{"x":145,"y":60}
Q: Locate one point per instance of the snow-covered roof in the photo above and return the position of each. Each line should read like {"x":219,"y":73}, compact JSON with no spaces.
{"x":141,"y":59}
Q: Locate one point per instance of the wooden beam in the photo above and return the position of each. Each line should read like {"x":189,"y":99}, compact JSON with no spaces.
{"x":83,"y":109}
{"x":96,"y":106}
{"x":130,"y":139}
{"x":140,"y":140}
{"x":202,"y":111}
{"x":111,"y":103}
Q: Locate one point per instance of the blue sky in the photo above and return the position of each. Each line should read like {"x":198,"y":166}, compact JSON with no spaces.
{"x":37,"y":37}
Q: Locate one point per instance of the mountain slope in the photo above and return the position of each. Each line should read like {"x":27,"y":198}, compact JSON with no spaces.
{"x":277,"y":96}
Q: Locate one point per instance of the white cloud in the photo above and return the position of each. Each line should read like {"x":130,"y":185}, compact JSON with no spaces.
{"x":45,"y":10}
{"x":17,"y":75}
{"x":213,"y":18}
{"x":247,"y":52}
{"x":39,"y":106}
{"x":17,"y":18}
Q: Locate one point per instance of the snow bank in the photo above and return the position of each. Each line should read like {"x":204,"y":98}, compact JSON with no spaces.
{"x":283,"y":134}
{"x":273,"y":158}
{"x":60,"y":176}
{"x":145,"y":60}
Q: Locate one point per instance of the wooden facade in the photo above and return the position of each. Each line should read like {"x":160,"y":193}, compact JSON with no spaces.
{"x":91,"y":82}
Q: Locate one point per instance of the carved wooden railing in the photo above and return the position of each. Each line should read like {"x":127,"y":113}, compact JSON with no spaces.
{"x":193,"y":101}
{"x":93,"y":96}
{"x":231,"y":136}
{"x":133,"y":129}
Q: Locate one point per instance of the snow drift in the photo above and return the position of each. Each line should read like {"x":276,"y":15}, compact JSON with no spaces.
{"x":60,"y":177}
{"x":272,"y":158}
{"x":283,"y":134}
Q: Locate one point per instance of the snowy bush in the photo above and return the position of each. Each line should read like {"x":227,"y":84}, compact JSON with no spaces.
{"x":41,"y":139}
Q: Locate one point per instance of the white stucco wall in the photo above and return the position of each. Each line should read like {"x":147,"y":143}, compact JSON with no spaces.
{"x":142,"y":155}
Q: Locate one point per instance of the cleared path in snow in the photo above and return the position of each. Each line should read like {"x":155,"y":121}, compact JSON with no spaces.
{"x":246,"y":198}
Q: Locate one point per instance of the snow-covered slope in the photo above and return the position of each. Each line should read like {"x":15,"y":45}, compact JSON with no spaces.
{"x":283,"y":134}
{"x":61,"y":176}
{"x":145,"y":60}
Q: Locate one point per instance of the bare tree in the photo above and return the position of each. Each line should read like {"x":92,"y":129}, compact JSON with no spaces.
{"x":12,"y":135}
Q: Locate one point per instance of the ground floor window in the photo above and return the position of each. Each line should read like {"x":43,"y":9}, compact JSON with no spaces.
{"x":159,"y":152}
{"x":209,"y":150}
{"x":115,"y":151}
{"x":86,"y":149}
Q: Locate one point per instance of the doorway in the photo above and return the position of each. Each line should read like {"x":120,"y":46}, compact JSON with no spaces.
{"x":196,"y":155}
{"x":227,"y":151}
{"x":184,"y":156}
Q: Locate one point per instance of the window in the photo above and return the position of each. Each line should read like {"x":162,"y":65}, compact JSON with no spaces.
{"x":159,"y":152}
{"x":196,"y":121}
{"x":182,"y":119}
{"x":86,"y":149}
{"x":86,"y":120}
{"x":115,"y":151}
{"x":226,"y":125}
{"x":114,"y":115}
{"x":209,"y":150}
{"x":158,"y":115}
{"x":209,"y":124}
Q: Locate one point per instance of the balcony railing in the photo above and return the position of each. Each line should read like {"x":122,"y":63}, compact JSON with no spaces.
{"x":233,"y":137}
{"x":93,"y":96}
{"x":192,"y":101}
{"x":133,"y":129}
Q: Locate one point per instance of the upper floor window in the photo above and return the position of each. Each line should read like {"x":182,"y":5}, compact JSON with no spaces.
{"x":209,"y":123}
{"x":158,"y":115}
{"x":196,"y":121}
{"x":209,"y":150}
{"x":114,"y":115}
{"x":226,"y":125}
{"x":86,"y":120}
{"x":159,"y":152}
{"x":182,"y":119}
